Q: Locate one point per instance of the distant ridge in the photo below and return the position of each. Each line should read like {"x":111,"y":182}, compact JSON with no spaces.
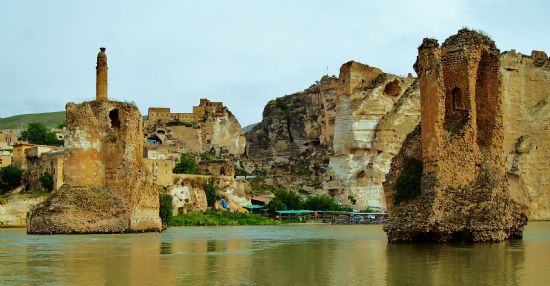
{"x":247,"y":128}
{"x":50,"y":119}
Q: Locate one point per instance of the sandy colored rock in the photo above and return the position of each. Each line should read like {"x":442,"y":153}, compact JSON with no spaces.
{"x":103,"y":167}
{"x":210,"y":125}
{"x":526,"y":108}
{"x":464,"y":191}
{"x":374,"y":114}
{"x":188,"y":192}
{"x":14,"y":208}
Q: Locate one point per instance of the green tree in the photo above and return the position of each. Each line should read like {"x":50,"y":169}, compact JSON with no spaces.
{"x":212,"y":194}
{"x":286,"y":200}
{"x":186,"y":165}
{"x":165,"y":208}
{"x":352,"y":199}
{"x":37,"y":133}
{"x":10,"y":178}
{"x":47,"y":181}
{"x":321,"y":203}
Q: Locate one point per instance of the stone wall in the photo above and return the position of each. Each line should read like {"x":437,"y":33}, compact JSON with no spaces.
{"x":49,"y":162}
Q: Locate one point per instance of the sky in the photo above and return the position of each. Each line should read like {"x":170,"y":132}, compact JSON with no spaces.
{"x":243,"y":53}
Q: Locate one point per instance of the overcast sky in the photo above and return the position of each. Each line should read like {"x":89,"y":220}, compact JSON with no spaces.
{"x":244,"y":53}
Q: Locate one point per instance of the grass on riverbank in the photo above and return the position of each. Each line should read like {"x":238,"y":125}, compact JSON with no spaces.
{"x":220,"y":217}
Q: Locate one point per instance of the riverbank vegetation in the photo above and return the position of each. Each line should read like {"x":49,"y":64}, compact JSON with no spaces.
{"x":213,"y":217}
{"x":10,"y":178}
{"x":289,"y":200}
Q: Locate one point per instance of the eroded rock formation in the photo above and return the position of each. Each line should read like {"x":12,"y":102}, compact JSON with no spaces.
{"x":526,"y":109}
{"x":464,"y":191}
{"x":189,"y":195}
{"x":338,"y":136}
{"x":293,"y":143}
{"x":374,"y":114}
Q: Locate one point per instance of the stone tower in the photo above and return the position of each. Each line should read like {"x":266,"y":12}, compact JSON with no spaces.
{"x":107,"y":187}
{"x":464,"y":190}
{"x":101,"y":76}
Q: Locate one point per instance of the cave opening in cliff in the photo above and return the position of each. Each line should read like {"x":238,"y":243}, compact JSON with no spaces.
{"x":115,"y":119}
{"x":392,"y":88}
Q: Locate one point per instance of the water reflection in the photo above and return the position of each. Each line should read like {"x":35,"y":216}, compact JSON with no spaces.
{"x":269,"y":255}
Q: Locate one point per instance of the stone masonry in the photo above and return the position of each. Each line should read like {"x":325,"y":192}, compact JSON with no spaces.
{"x":465,"y":193}
{"x":107,"y":187}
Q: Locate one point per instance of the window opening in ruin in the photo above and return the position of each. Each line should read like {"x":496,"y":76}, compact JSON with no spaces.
{"x":222,"y":171}
{"x":115,"y":120}
{"x":456,"y":116}
{"x":456,"y":98}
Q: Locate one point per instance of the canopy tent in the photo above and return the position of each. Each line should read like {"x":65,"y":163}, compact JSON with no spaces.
{"x":253,"y":207}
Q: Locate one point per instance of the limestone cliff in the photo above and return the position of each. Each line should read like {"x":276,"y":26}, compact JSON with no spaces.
{"x":14,"y":208}
{"x":338,"y":136}
{"x":293,"y":142}
{"x":374,"y":114}
{"x":188,"y":192}
{"x":107,"y":188}
{"x":526,"y":108}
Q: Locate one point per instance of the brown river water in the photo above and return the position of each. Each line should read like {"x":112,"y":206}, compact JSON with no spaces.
{"x":269,"y":255}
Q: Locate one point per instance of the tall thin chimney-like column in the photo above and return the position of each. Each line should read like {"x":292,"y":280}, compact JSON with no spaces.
{"x":101,"y":76}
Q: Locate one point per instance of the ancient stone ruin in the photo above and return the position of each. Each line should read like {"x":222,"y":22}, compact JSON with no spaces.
{"x":464,"y":193}
{"x":107,"y":188}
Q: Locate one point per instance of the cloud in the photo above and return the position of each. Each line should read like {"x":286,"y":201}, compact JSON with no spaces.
{"x":243,"y":53}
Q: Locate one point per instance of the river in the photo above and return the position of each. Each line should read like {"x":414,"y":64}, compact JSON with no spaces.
{"x":269,"y":255}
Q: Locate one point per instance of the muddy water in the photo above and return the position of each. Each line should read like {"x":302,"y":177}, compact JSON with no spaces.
{"x":269,"y":255}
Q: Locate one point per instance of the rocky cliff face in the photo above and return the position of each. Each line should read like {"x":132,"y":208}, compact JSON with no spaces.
{"x":526,"y":104}
{"x":107,"y":188}
{"x":188,"y":193}
{"x":293,"y":142}
{"x":374,"y":114}
{"x":14,"y":208}
{"x":338,"y":136}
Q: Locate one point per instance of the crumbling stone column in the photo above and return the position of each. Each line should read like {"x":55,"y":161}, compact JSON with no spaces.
{"x":101,"y":76}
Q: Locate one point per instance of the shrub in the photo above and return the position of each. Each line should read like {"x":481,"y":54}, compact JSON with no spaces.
{"x":286,"y":200}
{"x":322,"y":203}
{"x":165,"y":209}
{"x":408,"y":185}
{"x":352,"y":199}
{"x":209,"y":155}
{"x":212,"y":194}
{"x":186,"y":165}
{"x":10,"y":178}
{"x":47,"y":181}
{"x":220,"y":217}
